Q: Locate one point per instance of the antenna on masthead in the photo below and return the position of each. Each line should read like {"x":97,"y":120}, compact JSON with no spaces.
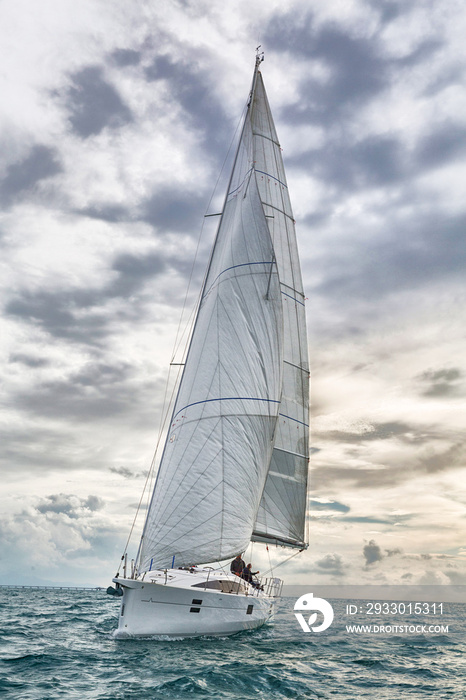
{"x":259,"y":55}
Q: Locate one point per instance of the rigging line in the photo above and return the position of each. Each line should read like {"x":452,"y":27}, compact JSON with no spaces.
{"x":150,"y":473}
{"x":295,"y":554}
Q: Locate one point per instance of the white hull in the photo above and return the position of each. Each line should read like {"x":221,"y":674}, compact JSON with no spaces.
{"x":179,"y":603}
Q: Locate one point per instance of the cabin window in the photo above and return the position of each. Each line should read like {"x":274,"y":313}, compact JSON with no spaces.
{"x":223,"y":585}
{"x":249,"y":610}
{"x":208,"y":584}
{"x":196,"y":601}
{"x":195,"y":610}
{"x":122,"y":610}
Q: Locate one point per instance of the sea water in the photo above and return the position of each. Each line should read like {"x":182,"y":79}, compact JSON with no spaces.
{"x":58,"y":644}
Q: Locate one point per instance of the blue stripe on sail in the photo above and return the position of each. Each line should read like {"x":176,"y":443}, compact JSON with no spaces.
{"x":294,"y":419}
{"x":294,"y":298}
{"x":262,"y":262}
{"x":226,"y":398}
{"x":273,"y":178}
{"x":241,"y":184}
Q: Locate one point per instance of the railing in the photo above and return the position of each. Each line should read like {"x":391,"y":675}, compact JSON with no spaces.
{"x":53,"y":588}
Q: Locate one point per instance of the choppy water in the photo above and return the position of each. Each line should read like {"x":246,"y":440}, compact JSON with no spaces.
{"x":58,"y":644}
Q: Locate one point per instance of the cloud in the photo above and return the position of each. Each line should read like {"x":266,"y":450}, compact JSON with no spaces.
{"x":328,"y":505}
{"x":127,"y":473}
{"x":94,"y":103}
{"x":331,"y":564}
{"x":375,"y":431}
{"x":372,"y":553}
{"x":441,"y":382}
{"x":172,"y":210}
{"x":191,"y":88}
{"x":29,"y":360}
{"x":69,"y":505}
{"x":126,"y":57}
{"x":22,"y":177}
{"x":60,"y":312}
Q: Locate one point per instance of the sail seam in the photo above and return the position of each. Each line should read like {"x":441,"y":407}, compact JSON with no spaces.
{"x":229,"y":398}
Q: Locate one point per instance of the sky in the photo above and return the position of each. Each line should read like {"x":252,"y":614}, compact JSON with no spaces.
{"x":115,"y":122}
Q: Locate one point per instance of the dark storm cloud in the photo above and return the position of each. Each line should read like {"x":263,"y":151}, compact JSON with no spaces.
{"x":95,"y":392}
{"x":372,"y":553}
{"x":357,"y":69}
{"x":95,"y":104}
{"x":444,"y":144}
{"x":58,"y":312}
{"x":380,"y":161}
{"x":440,"y":383}
{"x":126,"y":57}
{"x":29,"y":360}
{"x":389,"y":9}
{"x":194,"y":90}
{"x":172,"y":210}
{"x":133,"y":272}
{"x":372,"y":162}
{"x":113,"y":213}
{"x":404,"y":254}
{"x":21,"y":178}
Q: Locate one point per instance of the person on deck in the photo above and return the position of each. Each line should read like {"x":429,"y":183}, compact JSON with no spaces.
{"x":248,"y":574}
{"x":237,"y":566}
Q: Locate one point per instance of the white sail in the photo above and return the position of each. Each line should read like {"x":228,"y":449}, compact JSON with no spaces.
{"x":281,"y":516}
{"x":235,"y":462}
{"x":220,"y":442}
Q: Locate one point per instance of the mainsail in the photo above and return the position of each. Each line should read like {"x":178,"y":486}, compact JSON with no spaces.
{"x":234,"y":466}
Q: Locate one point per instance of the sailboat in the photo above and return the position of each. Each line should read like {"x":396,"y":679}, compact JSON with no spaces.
{"x":235,"y":463}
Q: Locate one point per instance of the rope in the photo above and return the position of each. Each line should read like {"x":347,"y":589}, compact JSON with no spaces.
{"x":282,"y":562}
